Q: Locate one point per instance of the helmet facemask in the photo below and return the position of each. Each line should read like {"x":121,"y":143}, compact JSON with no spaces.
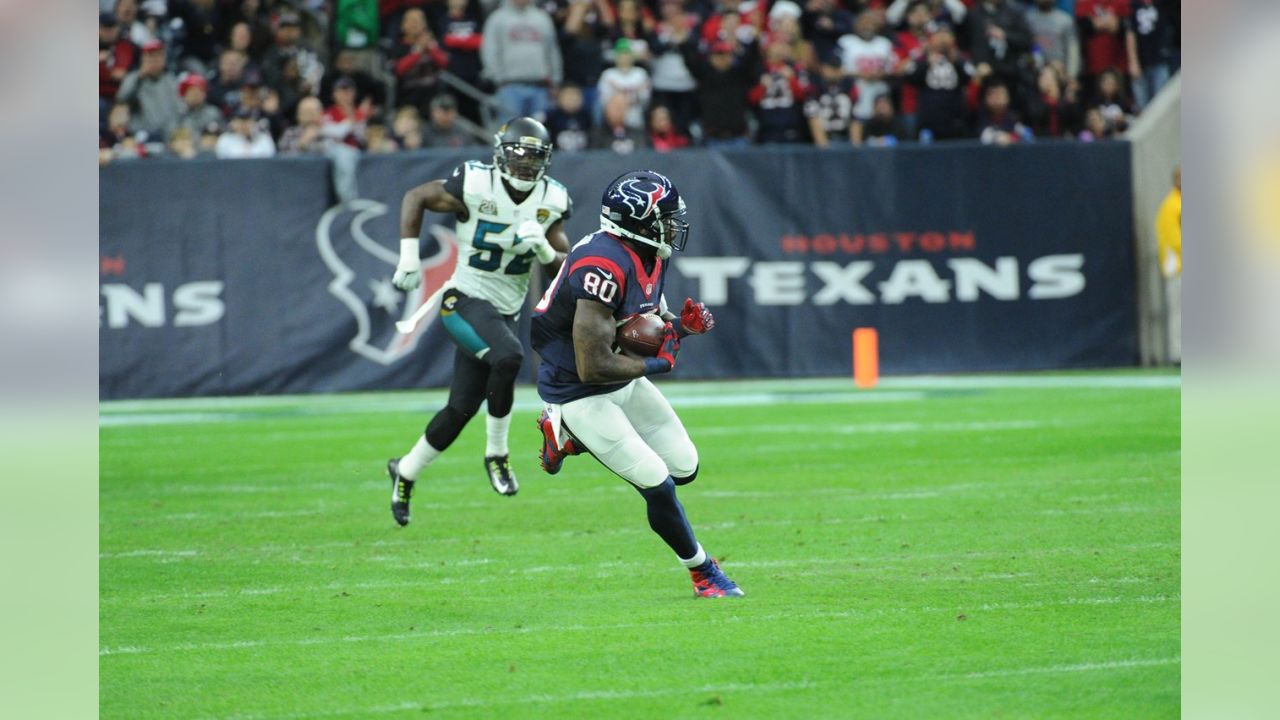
{"x":666,"y":232}
{"x":673,"y":231}
{"x":522,"y":164}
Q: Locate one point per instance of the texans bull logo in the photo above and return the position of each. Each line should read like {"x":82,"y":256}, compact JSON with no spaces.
{"x":362,"y":269}
{"x":642,"y":196}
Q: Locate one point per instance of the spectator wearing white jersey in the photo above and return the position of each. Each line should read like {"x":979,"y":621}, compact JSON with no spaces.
{"x":244,"y":139}
{"x":627,"y":80}
{"x":868,"y":58}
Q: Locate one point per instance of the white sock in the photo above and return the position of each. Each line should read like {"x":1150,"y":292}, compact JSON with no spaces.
{"x":418,"y":458}
{"x":697,"y":559}
{"x":496,"y":430}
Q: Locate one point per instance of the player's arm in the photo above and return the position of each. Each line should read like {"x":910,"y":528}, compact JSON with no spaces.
{"x":442,"y":196}
{"x":428,"y":196}
{"x":593,"y":334}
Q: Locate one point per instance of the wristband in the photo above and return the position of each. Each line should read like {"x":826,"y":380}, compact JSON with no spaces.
{"x":544,"y":252}
{"x":655,"y":366}
{"x":678,"y":326}
{"x":409,"y":251}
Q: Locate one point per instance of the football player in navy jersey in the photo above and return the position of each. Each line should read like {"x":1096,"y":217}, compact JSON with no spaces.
{"x":601,"y":401}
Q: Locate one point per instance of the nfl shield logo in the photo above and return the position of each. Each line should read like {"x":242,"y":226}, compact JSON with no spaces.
{"x":648,"y":289}
{"x":543,"y":215}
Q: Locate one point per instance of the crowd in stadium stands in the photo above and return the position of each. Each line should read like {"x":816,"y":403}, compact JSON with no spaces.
{"x":257,"y":78}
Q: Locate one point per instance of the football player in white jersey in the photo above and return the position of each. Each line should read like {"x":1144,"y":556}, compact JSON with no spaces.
{"x":509,"y":214}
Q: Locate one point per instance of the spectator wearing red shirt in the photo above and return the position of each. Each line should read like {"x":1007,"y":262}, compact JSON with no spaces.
{"x":417,"y":60}
{"x":663,"y":134}
{"x":732,"y":22}
{"x":459,"y":33}
{"x":779,"y":98}
{"x":344,"y":121}
{"x":116,"y":57}
{"x":910,"y":45}
{"x":1106,"y":40}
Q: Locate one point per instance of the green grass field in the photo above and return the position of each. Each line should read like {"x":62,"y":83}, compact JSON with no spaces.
{"x":996,"y":547}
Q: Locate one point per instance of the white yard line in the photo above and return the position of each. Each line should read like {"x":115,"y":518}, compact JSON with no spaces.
{"x":557,"y":629}
{"x":1073,"y":668}
{"x":110,"y":416}
{"x":125,"y":413}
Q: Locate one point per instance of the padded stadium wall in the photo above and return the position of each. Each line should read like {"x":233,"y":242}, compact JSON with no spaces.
{"x":244,"y":277}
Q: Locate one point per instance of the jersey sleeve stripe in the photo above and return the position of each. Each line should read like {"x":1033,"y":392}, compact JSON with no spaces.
{"x":606,"y":264}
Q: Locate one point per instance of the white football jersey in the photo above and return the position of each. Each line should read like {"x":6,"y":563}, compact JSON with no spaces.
{"x":866,"y":56}
{"x":485,"y":270}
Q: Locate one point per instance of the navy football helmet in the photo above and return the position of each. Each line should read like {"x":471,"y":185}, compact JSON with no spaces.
{"x":522,"y":152}
{"x":645,"y":206}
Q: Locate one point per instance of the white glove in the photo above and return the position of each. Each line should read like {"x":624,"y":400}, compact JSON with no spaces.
{"x":532,"y":236}
{"x":409,"y":270}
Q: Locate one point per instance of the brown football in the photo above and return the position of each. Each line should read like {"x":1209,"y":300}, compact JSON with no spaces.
{"x":641,"y":335}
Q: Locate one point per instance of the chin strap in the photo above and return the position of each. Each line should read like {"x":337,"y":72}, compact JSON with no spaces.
{"x":663,"y":250}
{"x":518,"y":184}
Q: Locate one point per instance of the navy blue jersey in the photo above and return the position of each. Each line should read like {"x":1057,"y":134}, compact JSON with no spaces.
{"x":602,"y":269}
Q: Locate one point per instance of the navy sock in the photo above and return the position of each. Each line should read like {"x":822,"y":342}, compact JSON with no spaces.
{"x":666,"y":517}
{"x":687,"y":479}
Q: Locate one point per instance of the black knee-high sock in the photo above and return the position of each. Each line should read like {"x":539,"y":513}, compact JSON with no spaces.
{"x":500,"y":390}
{"x":666,"y":517}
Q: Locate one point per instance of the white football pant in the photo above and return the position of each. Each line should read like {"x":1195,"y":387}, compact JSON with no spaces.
{"x":634,"y":432}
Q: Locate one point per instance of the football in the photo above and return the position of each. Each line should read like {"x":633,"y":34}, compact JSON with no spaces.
{"x":641,"y":335}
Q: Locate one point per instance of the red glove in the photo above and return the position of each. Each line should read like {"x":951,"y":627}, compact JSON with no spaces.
{"x":695,"y":318}
{"x":665,"y":360}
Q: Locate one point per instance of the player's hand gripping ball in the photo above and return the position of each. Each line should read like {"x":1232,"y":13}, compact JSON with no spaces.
{"x":642,"y":335}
